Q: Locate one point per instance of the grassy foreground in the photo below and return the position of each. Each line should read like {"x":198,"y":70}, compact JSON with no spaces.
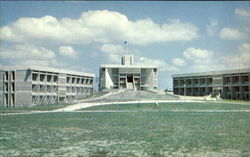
{"x":159,"y":133}
{"x":32,"y":108}
{"x":173,"y":106}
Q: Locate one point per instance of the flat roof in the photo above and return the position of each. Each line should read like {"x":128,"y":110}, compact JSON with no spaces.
{"x":47,"y":69}
{"x":213,"y":73}
{"x":126,"y":66}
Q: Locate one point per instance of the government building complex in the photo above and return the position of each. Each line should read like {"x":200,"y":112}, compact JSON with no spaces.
{"x":128,"y":75}
{"x":229,"y":84}
{"x":33,"y":85}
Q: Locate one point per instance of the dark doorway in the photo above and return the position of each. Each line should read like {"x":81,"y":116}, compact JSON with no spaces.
{"x":61,"y":99}
{"x":130,"y":78}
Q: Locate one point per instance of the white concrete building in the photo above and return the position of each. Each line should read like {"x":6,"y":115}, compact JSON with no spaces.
{"x":229,"y":84}
{"x":34,"y":85}
{"x":128,"y":75}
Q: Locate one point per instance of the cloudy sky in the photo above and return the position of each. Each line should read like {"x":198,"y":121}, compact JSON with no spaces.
{"x":178,"y":37}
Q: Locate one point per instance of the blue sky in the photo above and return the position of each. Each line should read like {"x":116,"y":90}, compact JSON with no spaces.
{"x":178,"y":37}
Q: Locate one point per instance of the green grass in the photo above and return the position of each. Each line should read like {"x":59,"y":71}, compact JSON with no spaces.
{"x":161,"y":133}
{"x":32,"y":108}
{"x":172,"y":106}
{"x":236,"y":101}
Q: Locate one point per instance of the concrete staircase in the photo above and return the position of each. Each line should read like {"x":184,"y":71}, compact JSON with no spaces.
{"x":130,"y":85}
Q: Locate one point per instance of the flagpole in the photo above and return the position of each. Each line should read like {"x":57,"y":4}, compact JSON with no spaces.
{"x":126,"y":43}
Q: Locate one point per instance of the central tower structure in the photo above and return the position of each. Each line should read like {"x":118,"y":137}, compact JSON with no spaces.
{"x":128,"y":75}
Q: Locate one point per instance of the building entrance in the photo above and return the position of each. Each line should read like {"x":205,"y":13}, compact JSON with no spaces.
{"x":130,"y":78}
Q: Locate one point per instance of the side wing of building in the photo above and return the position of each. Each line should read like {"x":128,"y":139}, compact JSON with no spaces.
{"x":30,"y":86}
{"x":229,"y":84}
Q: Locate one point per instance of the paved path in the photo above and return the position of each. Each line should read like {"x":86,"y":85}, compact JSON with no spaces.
{"x":85,"y":105}
{"x":156,"y":110}
{"x":75,"y":107}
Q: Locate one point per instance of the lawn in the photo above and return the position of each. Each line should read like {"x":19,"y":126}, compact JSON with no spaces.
{"x":158,"y":133}
{"x":32,"y":108}
{"x":173,"y":106}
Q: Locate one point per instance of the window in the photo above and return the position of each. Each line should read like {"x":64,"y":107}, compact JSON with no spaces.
{"x":82,"y":81}
{"x":246,"y":88}
{"x":6,"y":86}
{"x":68,"y":78}
{"x":49,"y":78}
{"x":13,"y":86}
{"x":6,"y":75}
{"x":42,"y":77}
{"x":34,"y":77}
{"x":6,"y":100}
{"x":55,"y":78}
{"x":13,"y":75}
{"x":73,"y":80}
{"x":244,"y":79}
{"x":13,"y":99}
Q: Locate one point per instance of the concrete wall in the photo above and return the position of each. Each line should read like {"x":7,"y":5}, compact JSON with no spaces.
{"x":32,"y":87}
{"x":1,"y":89}
{"x":23,"y":89}
{"x":147,"y":77}
{"x":108,"y":77}
{"x":228,"y":86}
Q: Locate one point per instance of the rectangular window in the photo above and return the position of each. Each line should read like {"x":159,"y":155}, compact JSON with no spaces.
{"x":34,"y":77}
{"x":6,"y":75}
{"x":34,"y":88}
{"x":55,"y":78}
{"x":246,"y":88}
{"x":13,"y":86}
{"x":13,"y":99}
{"x":13,"y":75}
{"x":6,"y":86}
{"x":6,"y":100}
{"x":33,"y":99}
{"x":68,"y":78}
{"x":82,"y":81}
{"x":49,"y":78}
{"x":42,"y":77}
{"x":73,"y":80}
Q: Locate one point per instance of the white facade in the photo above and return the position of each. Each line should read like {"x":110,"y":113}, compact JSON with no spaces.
{"x":128,"y":75}
{"x":229,"y":84}
{"x":34,"y":85}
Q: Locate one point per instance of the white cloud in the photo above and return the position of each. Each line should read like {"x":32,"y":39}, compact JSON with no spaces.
{"x":204,"y":60}
{"x":112,"y":52}
{"x":245,"y":55}
{"x":178,"y":62}
{"x":162,"y":65}
{"x":245,"y":47}
{"x":196,"y":53}
{"x":241,"y":59}
{"x":198,"y":60}
{"x":67,"y":51}
{"x":242,"y":12}
{"x":28,"y":55}
{"x":111,"y":48}
{"x":34,"y":62}
{"x":232,"y":34}
{"x":149,"y":61}
{"x":211,"y":28}
{"x":26,"y":52}
{"x":8,"y":33}
{"x":97,"y":26}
